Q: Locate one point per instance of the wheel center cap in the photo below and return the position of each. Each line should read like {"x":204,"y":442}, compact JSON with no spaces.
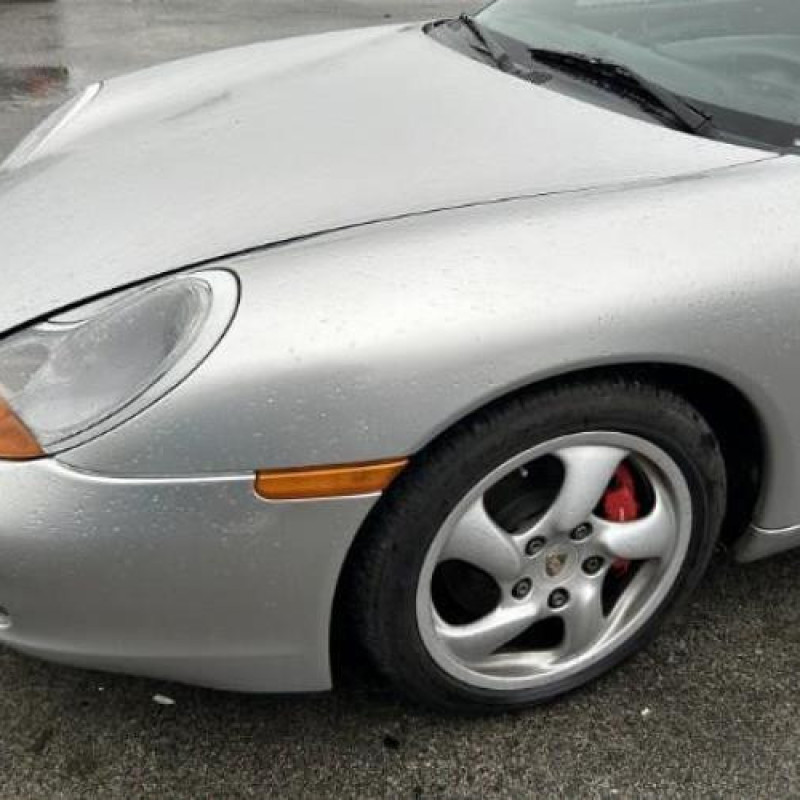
{"x":559,"y":562}
{"x":554,"y":564}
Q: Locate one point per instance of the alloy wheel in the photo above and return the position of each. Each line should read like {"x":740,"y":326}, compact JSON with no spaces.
{"x":554,"y":560}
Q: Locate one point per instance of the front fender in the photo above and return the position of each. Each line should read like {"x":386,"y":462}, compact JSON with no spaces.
{"x":365,"y":343}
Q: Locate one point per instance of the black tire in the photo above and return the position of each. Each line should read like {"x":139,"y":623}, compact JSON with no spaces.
{"x":390,"y":551}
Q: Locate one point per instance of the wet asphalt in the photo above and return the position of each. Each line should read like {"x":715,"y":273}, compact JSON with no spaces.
{"x":710,"y":711}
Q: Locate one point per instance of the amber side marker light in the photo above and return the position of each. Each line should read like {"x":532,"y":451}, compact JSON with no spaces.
{"x":16,"y":441}
{"x":336,"y":481}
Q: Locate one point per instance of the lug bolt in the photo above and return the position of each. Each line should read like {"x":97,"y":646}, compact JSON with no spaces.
{"x":521,"y":588}
{"x":581,"y":532}
{"x":593,"y":565}
{"x":558,"y":598}
{"x":535,"y":546}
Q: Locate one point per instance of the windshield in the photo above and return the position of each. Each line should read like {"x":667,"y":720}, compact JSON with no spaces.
{"x":739,"y":60}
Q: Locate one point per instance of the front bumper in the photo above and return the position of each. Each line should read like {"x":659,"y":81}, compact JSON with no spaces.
{"x":193,"y":579}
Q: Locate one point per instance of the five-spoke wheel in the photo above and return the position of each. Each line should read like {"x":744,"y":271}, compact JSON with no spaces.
{"x":529,"y":578}
{"x":538,"y":544}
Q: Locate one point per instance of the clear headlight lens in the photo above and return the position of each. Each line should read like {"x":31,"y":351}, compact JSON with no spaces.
{"x":73,"y":377}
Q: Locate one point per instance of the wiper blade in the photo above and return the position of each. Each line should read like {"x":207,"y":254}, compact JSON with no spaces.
{"x":501,"y":59}
{"x":626,"y":82}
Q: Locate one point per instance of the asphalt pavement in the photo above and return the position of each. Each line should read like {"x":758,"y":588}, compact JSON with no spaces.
{"x":710,"y":711}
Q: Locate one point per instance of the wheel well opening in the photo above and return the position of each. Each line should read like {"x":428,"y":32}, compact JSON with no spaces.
{"x":727,"y":411}
{"x":734,"y":421}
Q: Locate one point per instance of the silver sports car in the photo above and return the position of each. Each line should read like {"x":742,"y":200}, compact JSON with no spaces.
{"x":464,"y":341}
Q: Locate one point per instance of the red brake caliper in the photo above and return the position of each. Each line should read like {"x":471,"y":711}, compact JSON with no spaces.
{"x":620,"y":504}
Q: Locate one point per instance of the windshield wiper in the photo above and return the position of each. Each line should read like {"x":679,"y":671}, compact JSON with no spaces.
{"x":501,"y":59}
{"x":624,"y":81}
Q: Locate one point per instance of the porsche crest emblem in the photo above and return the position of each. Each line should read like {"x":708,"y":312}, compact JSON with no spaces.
{"x":554,"y":564}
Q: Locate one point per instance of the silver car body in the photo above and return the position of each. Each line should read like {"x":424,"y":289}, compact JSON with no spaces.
{"x":414,"y":235}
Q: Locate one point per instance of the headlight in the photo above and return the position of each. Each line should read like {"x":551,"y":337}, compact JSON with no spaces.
{"x":56,"y":122}
{"x":79,"y":374}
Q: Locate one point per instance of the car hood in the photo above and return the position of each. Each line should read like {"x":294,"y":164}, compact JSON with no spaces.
{"x":197,"y":159}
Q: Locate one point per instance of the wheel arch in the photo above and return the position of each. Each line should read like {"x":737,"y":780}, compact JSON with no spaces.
{"x":729,"y":412}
